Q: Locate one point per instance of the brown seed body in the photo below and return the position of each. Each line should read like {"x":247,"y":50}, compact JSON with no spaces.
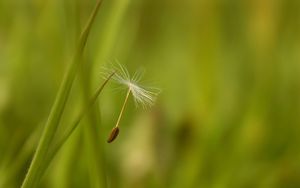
{"x":113,"y":135}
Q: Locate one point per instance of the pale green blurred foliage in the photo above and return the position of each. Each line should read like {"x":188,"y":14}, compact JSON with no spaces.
{"x":228,"y":114}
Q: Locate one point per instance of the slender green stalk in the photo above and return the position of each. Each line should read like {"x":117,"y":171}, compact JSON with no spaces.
{"x":95,"y":164}
{"x":70,"y":130}
{"x":34,"y":173}
{"x":73,"y":127}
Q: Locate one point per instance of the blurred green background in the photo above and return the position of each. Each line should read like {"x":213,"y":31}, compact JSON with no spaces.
{"x":228,"y":114}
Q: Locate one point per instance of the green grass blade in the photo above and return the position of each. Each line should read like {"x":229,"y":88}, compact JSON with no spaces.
{"x":73,"y":127}
{"x":35,"y":170}
{"x":70,"y":130}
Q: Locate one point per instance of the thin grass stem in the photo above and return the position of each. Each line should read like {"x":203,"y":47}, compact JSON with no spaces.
{"x":35,"y":171}
{"x":58,"y":145}
{"x":73,"y":127}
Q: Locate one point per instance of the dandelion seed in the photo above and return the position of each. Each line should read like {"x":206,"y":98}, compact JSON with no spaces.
{"x":142,"y":96}
{"x":113,"y":135}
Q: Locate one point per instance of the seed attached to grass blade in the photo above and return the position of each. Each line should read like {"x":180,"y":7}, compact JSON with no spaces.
{"x":113,"y":135}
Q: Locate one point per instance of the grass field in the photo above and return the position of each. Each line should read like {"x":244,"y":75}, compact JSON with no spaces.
{"x":227,"y":116}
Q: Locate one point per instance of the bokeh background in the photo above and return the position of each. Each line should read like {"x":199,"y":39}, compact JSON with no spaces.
{"x":227,"y":116}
